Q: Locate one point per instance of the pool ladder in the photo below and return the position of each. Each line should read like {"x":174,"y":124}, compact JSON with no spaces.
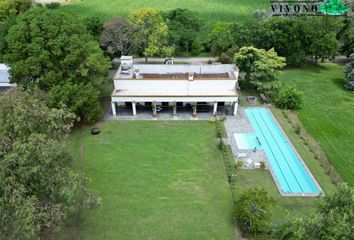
{"x":259,"y":142}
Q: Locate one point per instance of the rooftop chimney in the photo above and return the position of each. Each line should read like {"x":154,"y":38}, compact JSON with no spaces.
{"x":191,"y":76}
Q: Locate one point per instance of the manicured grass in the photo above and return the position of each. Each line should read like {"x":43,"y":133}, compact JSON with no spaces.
{"x":157,"y":180}
{"x":210,"y":11}
{"x":286,"y":207}
{"x":327,"y":112}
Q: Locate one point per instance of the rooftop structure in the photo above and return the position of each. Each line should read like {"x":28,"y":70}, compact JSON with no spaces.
{"x":172,"y":85}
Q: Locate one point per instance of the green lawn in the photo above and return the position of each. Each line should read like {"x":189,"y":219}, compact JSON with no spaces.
{"x":210,"y":11}
{"x":157,"y":180}
{"x":328,"y":112}
{"x":286,"y":207}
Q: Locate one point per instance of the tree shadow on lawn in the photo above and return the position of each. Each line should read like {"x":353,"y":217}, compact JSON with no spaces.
{"x":339,"y":82}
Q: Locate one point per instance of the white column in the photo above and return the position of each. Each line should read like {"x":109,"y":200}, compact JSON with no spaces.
{"x":154,"y":113}
{"x":194,"y":109}
{"x":174,"y":109}
{"x":113,"y":104}
{"x":134,"y":108}
{"x":215,"y":108}
{"x":235,"y":107}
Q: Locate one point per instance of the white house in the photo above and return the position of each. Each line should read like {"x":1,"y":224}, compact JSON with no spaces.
{"x":5,"y":76}
{"x":177,"y":85}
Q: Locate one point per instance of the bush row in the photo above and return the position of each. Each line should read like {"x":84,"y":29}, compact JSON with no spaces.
{"x":313,"y":146}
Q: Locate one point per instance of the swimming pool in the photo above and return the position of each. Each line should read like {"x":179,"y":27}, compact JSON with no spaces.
{"x":288,"y":170}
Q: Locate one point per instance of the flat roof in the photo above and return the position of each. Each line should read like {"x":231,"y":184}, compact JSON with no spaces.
{"x":178,"y":71}
{"x":174,"y":93}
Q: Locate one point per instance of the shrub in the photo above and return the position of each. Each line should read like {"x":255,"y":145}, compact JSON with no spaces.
{"x":297,"y":129}
{"x":263,"y":164}
{"x":53,"y":5}
{"x":289,"y":98}
{"x":349,"y":73}
{"x":252,"y":210}
{"x":239,"y":164}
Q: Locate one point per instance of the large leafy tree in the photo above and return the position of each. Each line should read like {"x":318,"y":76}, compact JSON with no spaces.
{"x":252,"y":210}
{"x":118,"y":37}
{"x":12,"y":8}
{"x":221,"y":37}
{"x":261,"y":67}
{"x":50,"y":49}
{"x":38,"y":189}
{"x":152,"y":32}
{"x":291,"y":38}
{"x":184,"y":26}
{"x":324,"y":42}
{"x":333,"y":220}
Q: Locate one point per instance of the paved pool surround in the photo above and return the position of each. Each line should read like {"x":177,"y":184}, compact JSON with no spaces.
{"x":290,"y":173}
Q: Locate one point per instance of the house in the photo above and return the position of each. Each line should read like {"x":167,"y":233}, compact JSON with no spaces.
{"x":156,"y":86}
{"x":5,"y":77}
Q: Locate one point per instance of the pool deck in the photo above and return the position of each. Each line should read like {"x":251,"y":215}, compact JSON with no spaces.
{"x":241,"y":124}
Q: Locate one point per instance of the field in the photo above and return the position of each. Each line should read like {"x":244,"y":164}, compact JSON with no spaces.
{"x":327,"y":112}
{"x":157,"y":180}
{"x":210,"y":11}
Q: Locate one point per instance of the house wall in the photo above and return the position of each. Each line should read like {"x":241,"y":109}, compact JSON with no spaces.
{"x":183,"y":85}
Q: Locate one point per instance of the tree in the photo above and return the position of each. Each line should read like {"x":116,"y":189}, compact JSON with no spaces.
{"x":347,"y":37}
{"x":118,"y":37}
{"x":56,"y":51}
{"x":252,"y":210}
{"x":152,"y":32}
{"x":289,"y":37}
{"x":38,"y":189}
{"x":94,"y":26}
{"x":261,"y":67}
{"x":349,"y":72}
{"x":324,"y":42}
{"x":333,"y":219}
{"x":221,"y":37}
{"x":289,"y":98}
{"x":12,"y":8}
{"x":184,"y":27}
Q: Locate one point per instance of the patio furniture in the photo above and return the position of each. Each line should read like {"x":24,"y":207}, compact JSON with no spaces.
{"x":241,"y":155}
{"x":248,"y":163}
{"x":257,"y":165}
{"x":264,"y":98}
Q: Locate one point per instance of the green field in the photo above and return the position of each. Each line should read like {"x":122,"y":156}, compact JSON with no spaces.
{"x":210,"y":11}
{"x":157,"y":180}
{"x":328,"y":112}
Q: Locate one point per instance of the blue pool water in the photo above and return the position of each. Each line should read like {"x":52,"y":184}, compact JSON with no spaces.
{"x":285,"y":163}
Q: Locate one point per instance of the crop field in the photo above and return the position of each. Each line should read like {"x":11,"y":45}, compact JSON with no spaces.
{"x":209,"y":10}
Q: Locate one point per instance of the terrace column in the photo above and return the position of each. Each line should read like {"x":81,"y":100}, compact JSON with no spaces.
{"x":154,"y":114}
{"x":215,"y":108}
{"x":113,"y":105}
{"x":235,"y":107}
{"x":134,"y":108}
{"x":194,"y":109}
{"x":174,"y":109}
